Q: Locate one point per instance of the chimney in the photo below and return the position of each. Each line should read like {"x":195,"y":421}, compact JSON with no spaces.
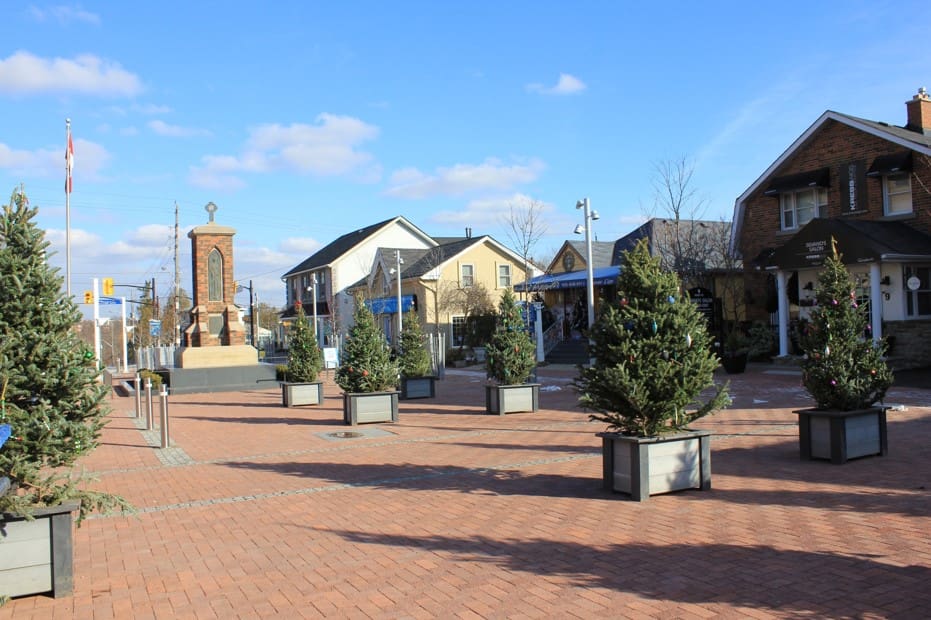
{"x":919,"y":112}
{"x":468,"y":232}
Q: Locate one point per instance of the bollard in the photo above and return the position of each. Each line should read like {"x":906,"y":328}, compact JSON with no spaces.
{"x":148,"y":400}
{"x":164,"y":396}
{"x":137,"y":389}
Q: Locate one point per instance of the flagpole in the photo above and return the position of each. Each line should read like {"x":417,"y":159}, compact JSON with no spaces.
{"x":68,"y":157}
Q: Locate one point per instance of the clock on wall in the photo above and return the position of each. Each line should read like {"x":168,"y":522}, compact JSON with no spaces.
{"x":568,"y":261}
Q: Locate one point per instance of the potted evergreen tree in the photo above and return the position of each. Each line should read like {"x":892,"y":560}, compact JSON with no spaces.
{"x":414,"y":361}
{"x":651,"y":360}
{"x":305,"y":360}
{"x":844,"y":371}
{"x":367,"y":373}
{"x":54,"y":408}
{"x":510,"y":358}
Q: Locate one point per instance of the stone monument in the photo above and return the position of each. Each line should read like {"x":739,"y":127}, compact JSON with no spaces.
{"x":216,"y":337}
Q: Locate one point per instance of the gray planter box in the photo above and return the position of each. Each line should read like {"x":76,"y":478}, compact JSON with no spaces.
{"x":37,"y":556}
{"x":297,"y":394}
{"x":645,"y":466}
{"x":842,"y":435}
{"x":418,"y":387}
{"x":365,"y":408}
{"x":502,"y":399}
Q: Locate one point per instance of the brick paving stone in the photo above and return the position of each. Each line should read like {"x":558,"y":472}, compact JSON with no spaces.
{"x":255,"y":511}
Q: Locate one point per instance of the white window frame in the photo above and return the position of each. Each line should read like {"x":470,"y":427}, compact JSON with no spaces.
{"x":454,"y":321}
{"x":504,"y":276}
{"x":788,"y":205}
{"x":892,"y":194}
{"x":911,"y":297}
{"x":466,"y":281}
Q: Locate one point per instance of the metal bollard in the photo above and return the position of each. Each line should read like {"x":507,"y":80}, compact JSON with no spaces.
{"x":137,"y":389}
{"x":148,"y":400}
{"x":164,"y":396}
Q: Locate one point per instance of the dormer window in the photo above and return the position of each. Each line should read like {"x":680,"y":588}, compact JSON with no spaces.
{"x":802,"y":206}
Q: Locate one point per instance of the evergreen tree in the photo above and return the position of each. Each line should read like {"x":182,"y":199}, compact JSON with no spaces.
{"x":651,"y":354}
{"x":843,"y":368}
{"x":510,"y":355}
{"x":305,"y":359}
{"x":365,"y":362}
{"x":49,"y":390}
{"x":414,"y":358}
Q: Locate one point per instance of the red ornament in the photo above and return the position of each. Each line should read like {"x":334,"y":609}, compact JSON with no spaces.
{"x":365,"y":373}
{"x":516,"y":349}
{"x":623,"y":301}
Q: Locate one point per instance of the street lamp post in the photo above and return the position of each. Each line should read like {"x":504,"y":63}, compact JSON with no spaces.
{"x":589,"y":268}
{"x":399,"y":262}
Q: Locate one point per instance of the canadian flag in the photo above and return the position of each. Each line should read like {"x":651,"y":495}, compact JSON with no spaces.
{"x":69,"y":164}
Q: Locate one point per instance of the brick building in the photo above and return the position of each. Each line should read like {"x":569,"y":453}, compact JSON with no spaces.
{"x":866,"y":185}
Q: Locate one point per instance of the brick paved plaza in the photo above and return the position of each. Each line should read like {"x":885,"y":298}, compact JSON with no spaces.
{"x":257,"y":511}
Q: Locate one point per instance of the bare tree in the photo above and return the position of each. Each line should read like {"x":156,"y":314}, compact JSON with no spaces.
{"x":682,"y":241}
{"x":525,"y":228}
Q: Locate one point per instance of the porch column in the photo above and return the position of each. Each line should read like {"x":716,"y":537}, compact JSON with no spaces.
{"x":783,"y":297}
{"x":876,"y":300}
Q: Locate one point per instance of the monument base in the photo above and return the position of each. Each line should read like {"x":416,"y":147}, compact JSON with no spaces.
{"x":225,"y":379}
{"x":217,"y":357}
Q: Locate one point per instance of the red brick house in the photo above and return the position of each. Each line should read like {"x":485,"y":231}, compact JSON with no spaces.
{"x":867,"y":186}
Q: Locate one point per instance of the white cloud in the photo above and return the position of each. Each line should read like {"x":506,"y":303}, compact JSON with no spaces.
{"x":89,"y":159}
{"x":487,"y":211}
{"x":459,"y":179}
{"x":175,"y":131}
{"x":330,"y":147}
{"x":129,"y":131}
{"x":567,"y":85}
{"x":25,"y":73}
{"x":300,"y":245}
{"x":152,"y":109}
{"x":64,"y":14}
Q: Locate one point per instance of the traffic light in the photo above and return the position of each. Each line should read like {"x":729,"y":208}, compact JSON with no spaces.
{"x":108,"y":286}
{"x":88,"y":297}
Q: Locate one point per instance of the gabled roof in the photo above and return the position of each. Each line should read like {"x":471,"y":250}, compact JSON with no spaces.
{"x":344,"y":244}
{"x":702,"y":238}
{"x":901,"y":136}
{"x":419,"y":262}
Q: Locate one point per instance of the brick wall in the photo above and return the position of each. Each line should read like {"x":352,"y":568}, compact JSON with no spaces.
{"x":909,"y":340}
{"x":834,"y":146}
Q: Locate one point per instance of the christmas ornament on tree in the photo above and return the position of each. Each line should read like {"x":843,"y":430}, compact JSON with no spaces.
{"x":851,"y":374}
{"x":509,"y":356}
{"x":49,"y":389}
{"x":366,"y":363}
{"x":643,"y":380}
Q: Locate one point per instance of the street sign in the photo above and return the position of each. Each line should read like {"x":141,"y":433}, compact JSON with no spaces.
{"x":110,"y":300}
{"x":155,"y":327}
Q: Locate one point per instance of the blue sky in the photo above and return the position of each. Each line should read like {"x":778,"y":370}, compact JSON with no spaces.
{"x":305,"y":120}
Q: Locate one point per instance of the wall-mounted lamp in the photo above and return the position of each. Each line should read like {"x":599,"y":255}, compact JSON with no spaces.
{"x":886,"y":281}
{"x":808,"y":287}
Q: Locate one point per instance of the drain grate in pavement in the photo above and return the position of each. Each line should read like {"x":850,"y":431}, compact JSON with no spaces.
{"x":355,"y":434}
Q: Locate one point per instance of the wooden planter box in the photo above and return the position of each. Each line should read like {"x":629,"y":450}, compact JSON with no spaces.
{"x":645,"y":466}
{"x":418,"y":387}
{"x":502,"y":399}
{"x":37,"y":556}
{"x":365,"y":408}
{"x":841,"y":435}
{"x":296,"y":394}
{"x":734,"y":363}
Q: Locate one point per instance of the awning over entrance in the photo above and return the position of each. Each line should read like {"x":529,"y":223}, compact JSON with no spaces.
{"x":389,"y":305}
{"x":858,"y":241}
{"x":601,"y":276}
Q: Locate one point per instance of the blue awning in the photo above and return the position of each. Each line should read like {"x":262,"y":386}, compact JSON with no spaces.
{"x":389,"y":305}
{"x":601,"y":276}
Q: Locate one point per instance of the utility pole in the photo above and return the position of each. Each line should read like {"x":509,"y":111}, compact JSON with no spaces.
{"x":255,"y":336}
{"x":177,"y":285}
